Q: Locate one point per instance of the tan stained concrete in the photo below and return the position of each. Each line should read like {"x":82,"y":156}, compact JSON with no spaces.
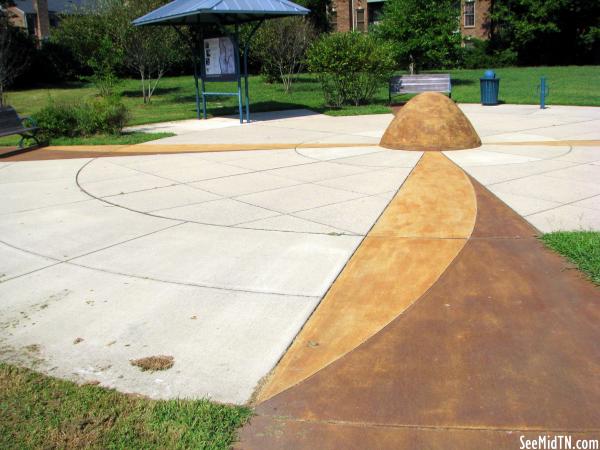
{"x":436,"y":201}
{"x":194,"y":148}
{"x":559,"y":143}
{"x":398,"y":261}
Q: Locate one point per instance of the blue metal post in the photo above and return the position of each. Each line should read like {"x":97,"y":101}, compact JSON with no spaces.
{"x":237,"y":72}
{"x":196,"y":84}
{"x":203,"y":99}
{"x":247,"y":97}
{"x":202,"y":75}
{"x":543,"y":93}
{"x":246,"y":47}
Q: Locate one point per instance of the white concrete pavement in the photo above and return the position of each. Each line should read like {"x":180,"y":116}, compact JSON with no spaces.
{"x":553,"y":187}
{"x":493,"y":123}
{"x":218,"y":258}
{"x":214,"y":259}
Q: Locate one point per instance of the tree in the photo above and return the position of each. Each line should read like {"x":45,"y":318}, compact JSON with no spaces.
{"x":14,"y":54}
{"x":318,"y":13}
{"x":96,"y":40}
{"x":548,"y":31}
{"x":425,"y":33}
{"x":149,"y":51}
{"x":103,"y":39}
{"x":280,"y":46}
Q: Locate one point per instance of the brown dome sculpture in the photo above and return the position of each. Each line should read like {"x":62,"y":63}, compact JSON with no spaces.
{"x":430,"y":122}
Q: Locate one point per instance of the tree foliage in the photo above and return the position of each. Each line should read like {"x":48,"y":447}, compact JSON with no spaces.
{"x":424,"y":32}
{"x":280,"y":46}
{"x":548,"y":31}
{"x":15,"y":48}
{"x":95,"y":40}
{"x":149,"y":51}
{"x":318,"y":13}
{"x":103,"y":39}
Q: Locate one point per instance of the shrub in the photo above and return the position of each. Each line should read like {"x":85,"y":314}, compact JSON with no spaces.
{"x":478,"y":54}
{"x":350,"y":66}
{"x":56,"y":120}
{"x":103,"y":116}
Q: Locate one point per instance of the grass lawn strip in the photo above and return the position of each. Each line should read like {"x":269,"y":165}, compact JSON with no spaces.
{"x":44,"y":412}
{"x":582,"y":248}
{"x":174,"y":98}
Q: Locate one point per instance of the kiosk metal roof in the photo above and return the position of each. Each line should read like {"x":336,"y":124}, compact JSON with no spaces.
{"x":223,"y":12}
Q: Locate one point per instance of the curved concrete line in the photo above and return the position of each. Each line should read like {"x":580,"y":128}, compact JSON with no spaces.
{"x":414,"y":241}
{"x":234,"y":226}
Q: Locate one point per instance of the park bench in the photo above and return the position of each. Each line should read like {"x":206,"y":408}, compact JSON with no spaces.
{"x":11,"y":124}
{"x":415,"y":84}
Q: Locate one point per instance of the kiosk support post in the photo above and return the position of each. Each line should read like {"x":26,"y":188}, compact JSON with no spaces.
{"x":236,"y":41}
{"x":246,"y":48}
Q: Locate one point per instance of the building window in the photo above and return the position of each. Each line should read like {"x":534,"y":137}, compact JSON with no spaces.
{"x":361,"y":24}
{"x":332,"y":16}
{"x":469,"y":11}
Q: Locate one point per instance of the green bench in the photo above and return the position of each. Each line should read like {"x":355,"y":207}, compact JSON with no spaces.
{"x":11,"y":125}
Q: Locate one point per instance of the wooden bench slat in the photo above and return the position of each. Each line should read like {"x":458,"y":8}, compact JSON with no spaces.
{"x":414,"y":84}
{"x":424,"y":79}
{"x":13,"y":131}
{"x":428,"y":85}
{"x":433,"y":83}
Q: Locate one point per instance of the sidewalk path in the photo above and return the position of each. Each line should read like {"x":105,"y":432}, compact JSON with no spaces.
{"x":503,"y":342}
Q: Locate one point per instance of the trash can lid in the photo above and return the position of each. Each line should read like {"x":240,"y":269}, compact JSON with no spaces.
{"x":489,"y":74}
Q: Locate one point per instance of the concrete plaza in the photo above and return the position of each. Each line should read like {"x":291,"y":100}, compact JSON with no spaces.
{"x":218,"y":258}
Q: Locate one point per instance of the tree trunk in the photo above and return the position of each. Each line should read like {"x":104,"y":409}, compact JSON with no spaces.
{"x":143,"y":84}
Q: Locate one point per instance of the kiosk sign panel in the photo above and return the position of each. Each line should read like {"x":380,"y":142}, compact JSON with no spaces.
{"x":219,"y":58}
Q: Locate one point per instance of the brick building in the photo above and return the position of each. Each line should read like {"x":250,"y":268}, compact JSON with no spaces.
{"x":346,"y":15}
{"x":37,"y":17}
{"x":474,"y":20}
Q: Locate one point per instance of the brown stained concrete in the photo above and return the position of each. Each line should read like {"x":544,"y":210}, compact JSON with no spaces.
{"x":507,"y":340}
{"x":397,"y":262}
{"x":279,"y":433}
{"x":430,"y":122}
{"x":44,"y":154}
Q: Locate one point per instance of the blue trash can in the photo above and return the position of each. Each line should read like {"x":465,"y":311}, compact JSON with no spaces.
{"x":490,"y":85}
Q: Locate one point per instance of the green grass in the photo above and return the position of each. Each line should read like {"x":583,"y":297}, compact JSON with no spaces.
{"x":43,"y":412}
{"x":102,"y":139}
{"x":174,"y":98}
{"x":580,"y":247}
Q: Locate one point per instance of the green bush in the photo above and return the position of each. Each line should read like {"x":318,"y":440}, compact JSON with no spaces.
{"x":477,"y":54}
{"x":350,"y":66}
{"x":103,"y":116}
